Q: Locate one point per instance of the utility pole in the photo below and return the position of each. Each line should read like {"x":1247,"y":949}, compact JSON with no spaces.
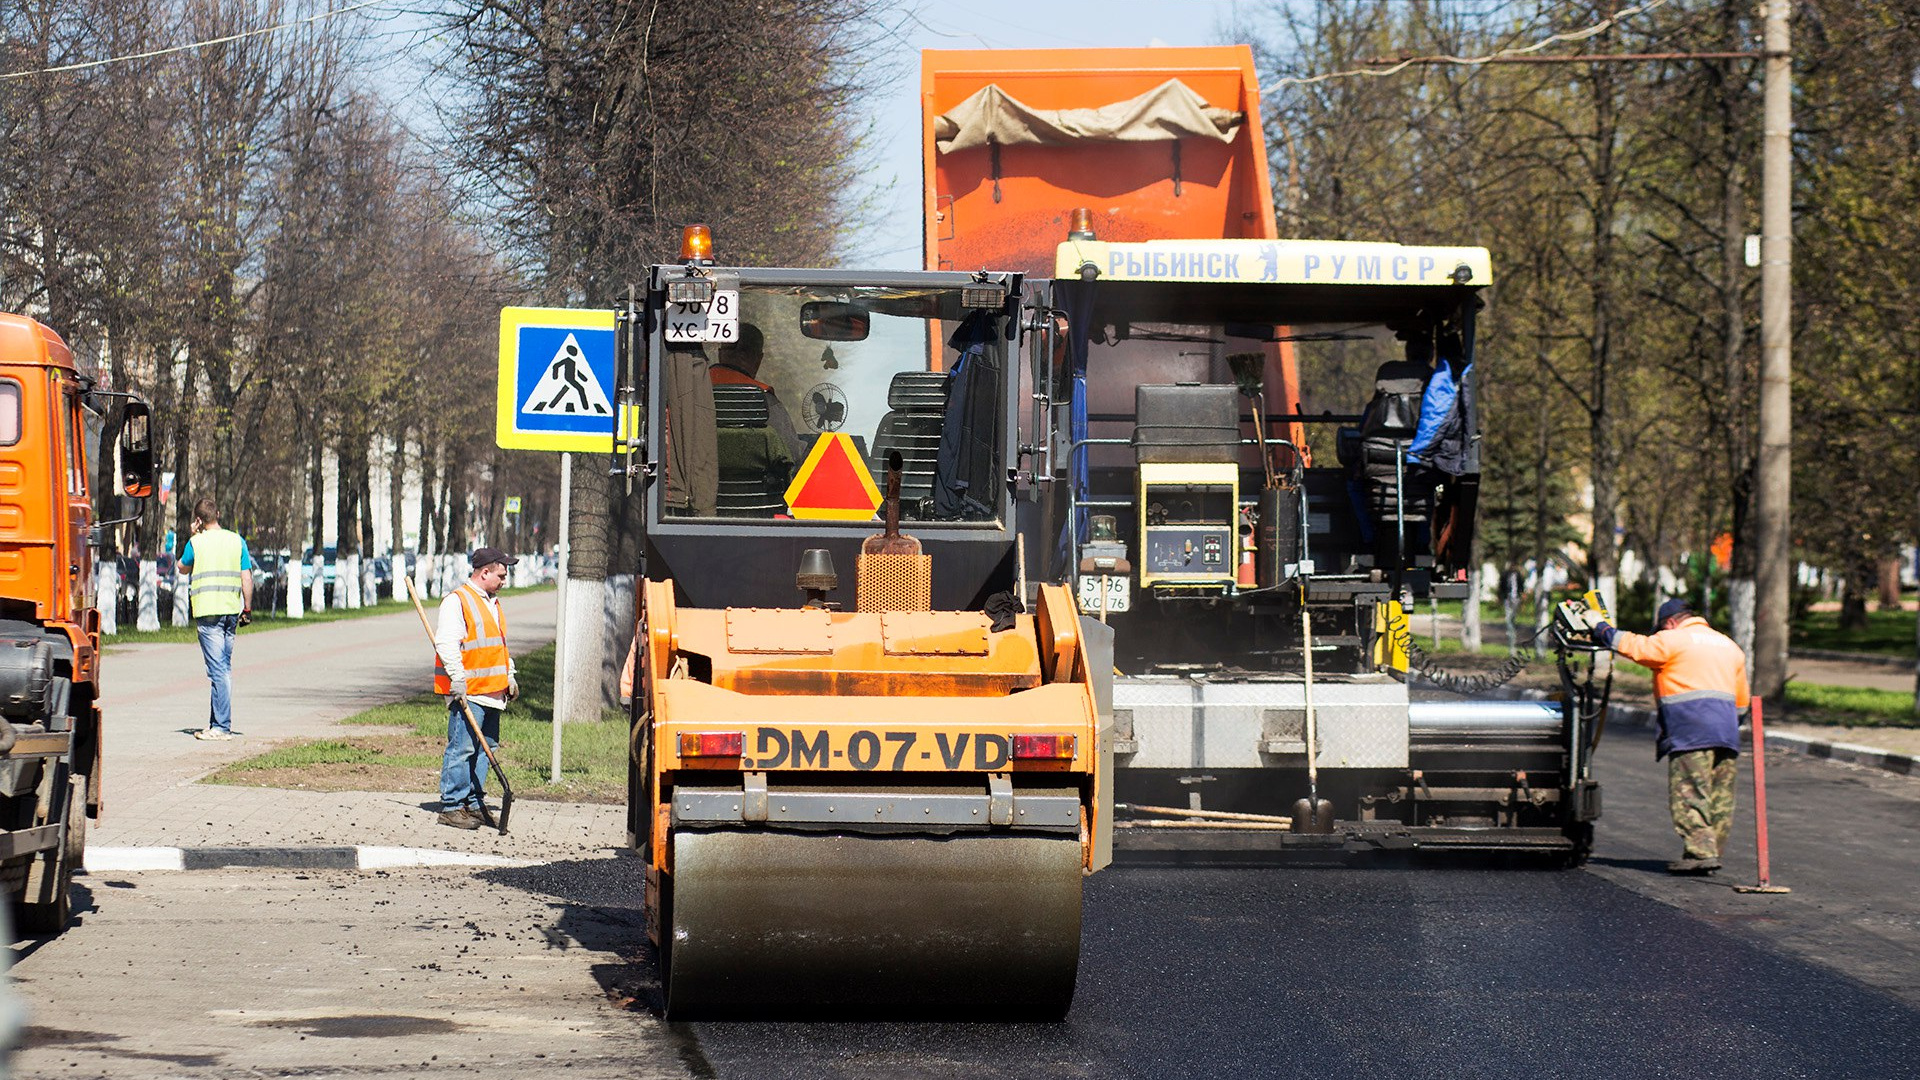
{"x":1773,"y":471}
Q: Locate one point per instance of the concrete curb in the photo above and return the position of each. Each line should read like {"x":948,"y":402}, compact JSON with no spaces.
{"x":1876,"y":659}
{"x":358,"y":857}
{"x":1852,"y":753}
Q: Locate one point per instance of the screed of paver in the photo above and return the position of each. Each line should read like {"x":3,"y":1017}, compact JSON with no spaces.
{"x":232,"y":973}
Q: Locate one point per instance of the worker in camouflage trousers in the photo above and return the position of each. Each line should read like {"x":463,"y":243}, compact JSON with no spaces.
{"x":1700,"y":684}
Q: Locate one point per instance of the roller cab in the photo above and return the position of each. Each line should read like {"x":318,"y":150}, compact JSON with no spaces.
{"x":869,"y":770}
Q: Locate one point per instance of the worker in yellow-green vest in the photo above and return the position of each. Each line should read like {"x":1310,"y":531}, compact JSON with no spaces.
{"x":220,"y":590}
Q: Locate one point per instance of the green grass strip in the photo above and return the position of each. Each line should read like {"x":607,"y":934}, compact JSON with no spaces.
{"x":1856,"y":706}
{"x":593,"y":761}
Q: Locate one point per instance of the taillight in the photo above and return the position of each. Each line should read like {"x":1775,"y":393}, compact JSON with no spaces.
{"x":712,"y":743}
{"x":1043,"y":747}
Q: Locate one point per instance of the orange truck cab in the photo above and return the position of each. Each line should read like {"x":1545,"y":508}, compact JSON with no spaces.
{"x":50,"y":729}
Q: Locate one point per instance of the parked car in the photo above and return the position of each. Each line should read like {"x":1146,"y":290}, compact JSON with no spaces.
{"x":127,"y":604}
{"x":330,"y":556}
{"x":269,"y":581}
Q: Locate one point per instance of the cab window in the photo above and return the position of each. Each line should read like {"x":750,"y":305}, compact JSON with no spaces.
{"x":9,"y":413}
{"x":814,"y":361}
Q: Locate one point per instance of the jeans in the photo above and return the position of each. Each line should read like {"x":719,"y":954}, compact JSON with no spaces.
{"x":463,"y":772}
{"x":216,"y":648}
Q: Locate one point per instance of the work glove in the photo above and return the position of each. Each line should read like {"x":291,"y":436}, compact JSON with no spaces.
{"x":513,"y":688}
{"x":246,"y":617}
{"x":1597,"y":614}
{"x":459,"y":687}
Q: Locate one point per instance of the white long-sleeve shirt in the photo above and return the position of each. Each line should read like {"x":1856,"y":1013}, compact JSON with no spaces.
{"x":450,"y":632}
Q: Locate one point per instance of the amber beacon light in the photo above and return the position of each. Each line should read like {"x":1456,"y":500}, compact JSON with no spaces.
{"x":696,"y":244}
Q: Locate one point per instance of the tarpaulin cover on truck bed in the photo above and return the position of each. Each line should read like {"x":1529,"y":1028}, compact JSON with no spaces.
{"x":1169,"y":111}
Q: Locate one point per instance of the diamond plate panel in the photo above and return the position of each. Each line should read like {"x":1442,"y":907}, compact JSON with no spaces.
{"x":1163,"y":721}
{"x":1360,"y":723}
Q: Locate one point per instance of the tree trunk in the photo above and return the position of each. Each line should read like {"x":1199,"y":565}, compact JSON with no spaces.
{"x":317,"y":493}
{"x":1890,"y":583}
{"x":590,"y":547}
{"x":396,"y":498}
{"x":1470,"y":610}
{"x":363,"y":494}
{"x":346,"y":502}
{"x":429,"y":501}
{"x":454,"y":487}
{"x":1853,"y":604}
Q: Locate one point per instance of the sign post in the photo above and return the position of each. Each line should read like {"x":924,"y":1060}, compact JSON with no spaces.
{"x":556,"y":373}
{"x":560,"y":688}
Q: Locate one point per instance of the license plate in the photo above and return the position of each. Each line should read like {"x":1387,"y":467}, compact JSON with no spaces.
{"x":716,"y":320}
{"x":1119,"y":592}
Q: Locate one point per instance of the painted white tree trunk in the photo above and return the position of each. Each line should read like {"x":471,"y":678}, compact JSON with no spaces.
{"x":149,"y":617}
{"x":182,"y":602}
{"x":319,"y":597}
{"x":423,"y":574}
{"x":295,"y":606}
{"x":583,"y":621}
{"x":1740,"y":601}
{"x":346,"y":581}
{"x":1470,"y":613}
{"x":107,"y":596}
{"x":369,"y":585}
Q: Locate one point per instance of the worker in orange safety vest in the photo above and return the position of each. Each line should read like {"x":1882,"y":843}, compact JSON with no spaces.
{"x":471,"y":663}
{"x":1700,"y":685}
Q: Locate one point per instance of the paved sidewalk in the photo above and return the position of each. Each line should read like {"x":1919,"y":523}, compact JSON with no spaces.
{"x":1847,"y":672}
{"x":291,"y":684}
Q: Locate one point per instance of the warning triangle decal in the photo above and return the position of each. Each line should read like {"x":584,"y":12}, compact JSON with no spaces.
{"x":568,"y":386}
{"x":833,"y":483}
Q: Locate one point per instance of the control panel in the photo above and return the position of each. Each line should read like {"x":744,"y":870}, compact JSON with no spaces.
{"x":1190,"y":551}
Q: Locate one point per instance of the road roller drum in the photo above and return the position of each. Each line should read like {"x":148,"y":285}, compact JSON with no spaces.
{"x":800,"y":923}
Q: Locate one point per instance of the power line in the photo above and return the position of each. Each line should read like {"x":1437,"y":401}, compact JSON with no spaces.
{"x":194,"y":45}
{"x":1595,"y":30}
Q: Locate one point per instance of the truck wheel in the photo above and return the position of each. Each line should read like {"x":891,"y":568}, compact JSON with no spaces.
{"x":55,"y":870}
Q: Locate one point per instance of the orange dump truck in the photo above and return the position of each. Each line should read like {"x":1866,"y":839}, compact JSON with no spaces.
{"x":50,"y":730}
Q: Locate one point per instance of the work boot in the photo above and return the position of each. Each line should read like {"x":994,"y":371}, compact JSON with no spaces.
{"x":1691,"y":867}
{"x":486,"y":815}
{"x":460,"y":819}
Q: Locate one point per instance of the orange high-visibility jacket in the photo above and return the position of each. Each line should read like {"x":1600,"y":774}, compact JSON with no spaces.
{"x":483,"y":648}
{"x":1699,"y":680}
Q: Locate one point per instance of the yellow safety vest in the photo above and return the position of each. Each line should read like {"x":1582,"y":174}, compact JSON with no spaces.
{"x":213,"y":587}
{"x":483,"y":648}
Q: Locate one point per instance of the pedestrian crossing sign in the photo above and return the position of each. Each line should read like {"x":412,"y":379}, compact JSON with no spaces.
{"x":556,"y":380}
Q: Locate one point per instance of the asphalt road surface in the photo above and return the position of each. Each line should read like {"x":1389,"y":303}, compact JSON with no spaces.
{"x":1195,"y":970}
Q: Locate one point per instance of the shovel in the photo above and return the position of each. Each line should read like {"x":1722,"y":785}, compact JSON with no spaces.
{"x":479,"y":736}
{"x":1312,"y":814}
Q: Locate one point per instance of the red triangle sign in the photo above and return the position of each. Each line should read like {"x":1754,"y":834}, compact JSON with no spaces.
{"x":833,"y":483}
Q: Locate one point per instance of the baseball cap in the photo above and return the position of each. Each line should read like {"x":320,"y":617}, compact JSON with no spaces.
{"x":1668,"y":610}
{"x":487,"y":556}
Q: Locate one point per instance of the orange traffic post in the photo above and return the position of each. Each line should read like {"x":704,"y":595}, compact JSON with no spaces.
{"x":1760,"y":806}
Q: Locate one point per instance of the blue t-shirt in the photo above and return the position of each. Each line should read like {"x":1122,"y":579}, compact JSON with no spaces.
{"x":246,"y":556}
